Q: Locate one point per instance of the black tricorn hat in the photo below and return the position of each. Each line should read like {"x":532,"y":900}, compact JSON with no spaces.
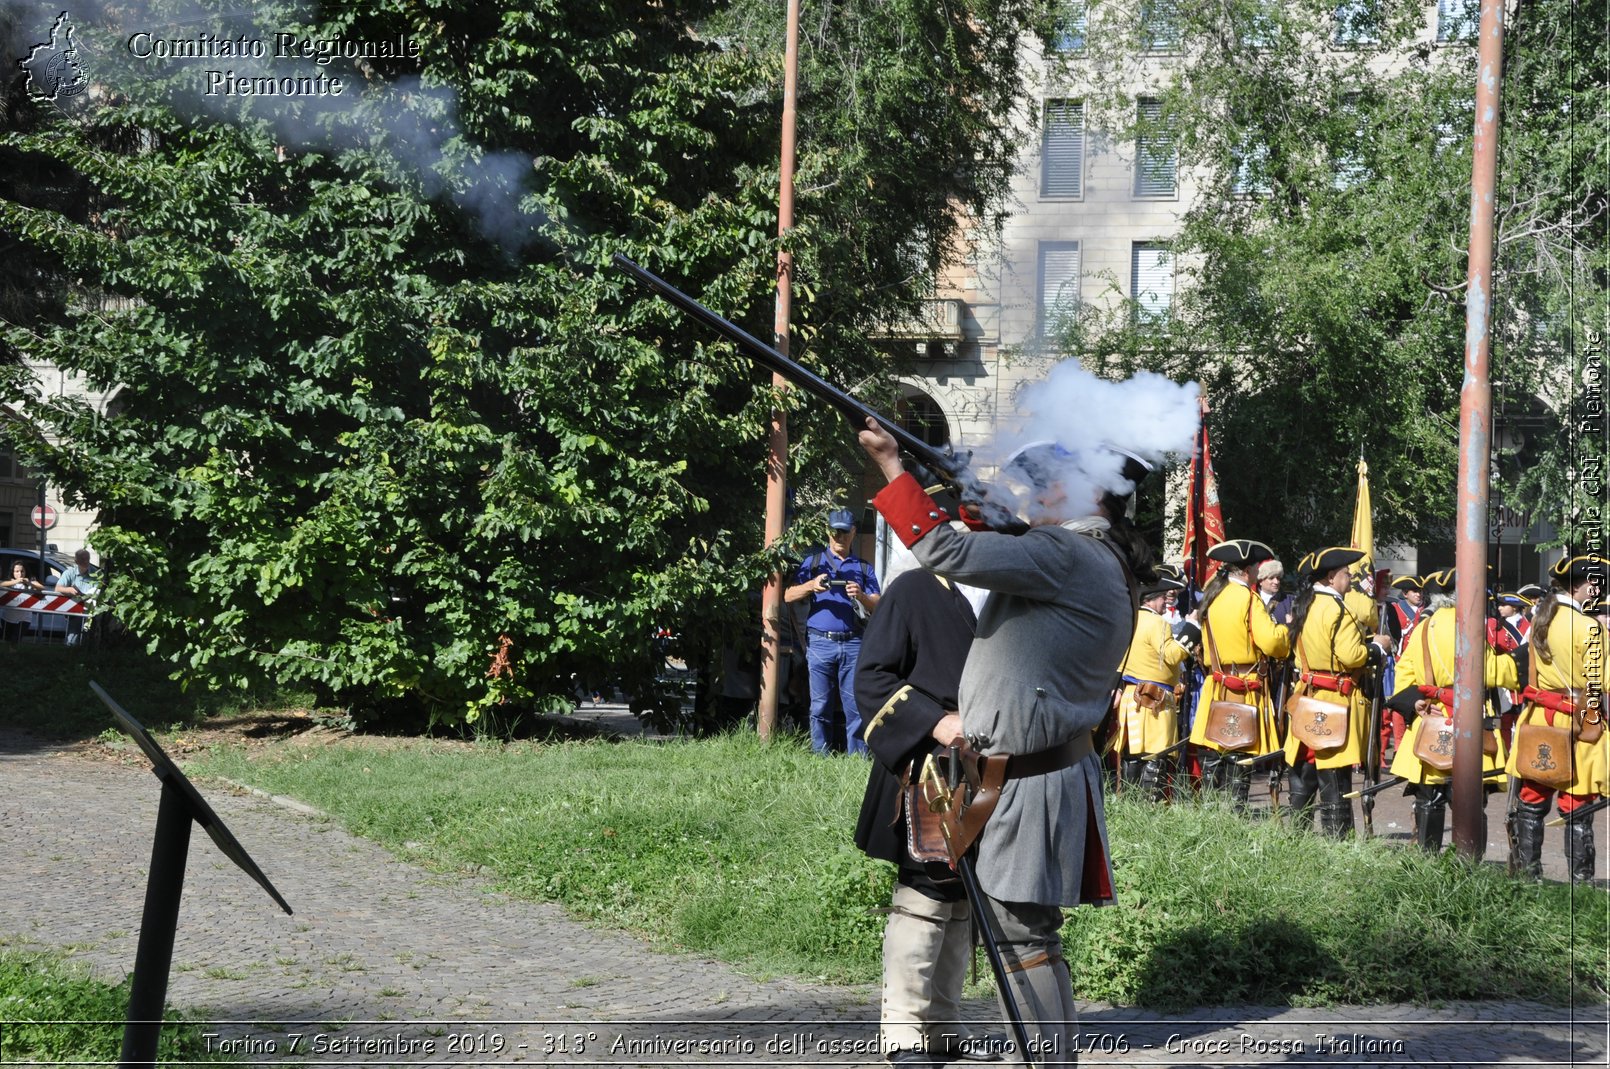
{"x":1241,"y":551}
{"x":1573,"y":570}
{"x":1162,"y":585}
{"x":1532,"y":591}
{"x":1409,"y":582}
{"x":1327,"y":560}
{"x":1440,"y":582}
{"x":1520,"y":601}
{"x":1169,"y":571}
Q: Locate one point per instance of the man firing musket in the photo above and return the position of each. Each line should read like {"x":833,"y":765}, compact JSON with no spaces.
{"x":1062,"y":576}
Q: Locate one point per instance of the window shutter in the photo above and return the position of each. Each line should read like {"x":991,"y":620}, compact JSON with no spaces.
{"x":1151,"y":280}
{"x":1073,"y":17}
{"x":1154,"y":154}
{"x":1063,"y":149}
{"x":1059,"y":283}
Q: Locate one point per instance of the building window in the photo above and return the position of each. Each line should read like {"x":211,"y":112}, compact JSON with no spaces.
{"x":8,"y":469}
{"x":1151,"y":281}
{"x":1251,"y":163}
{"x":922,"y":417}
{"x":1059,"y":284}
{"x":1457,"y":20}
{"x":1155,"y":157}
{"x":1260,"y":30}
{"x":1159,"y":25}
{"x":1358,"y":22}
{"x":1073,"y":18}
{"x":1347,"y":161}
{"x":1062,"y":149}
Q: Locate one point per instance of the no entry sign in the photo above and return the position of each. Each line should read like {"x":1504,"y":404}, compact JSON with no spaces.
{"x":44,"y":517}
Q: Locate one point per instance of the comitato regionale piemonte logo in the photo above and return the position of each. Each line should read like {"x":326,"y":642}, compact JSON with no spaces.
{"x":53,"y":67}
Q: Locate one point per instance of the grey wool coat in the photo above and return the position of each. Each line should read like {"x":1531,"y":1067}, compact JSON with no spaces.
{"x":1050,"y":638}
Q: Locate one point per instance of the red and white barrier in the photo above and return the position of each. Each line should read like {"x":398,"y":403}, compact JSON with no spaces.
{"x":43,"y":601}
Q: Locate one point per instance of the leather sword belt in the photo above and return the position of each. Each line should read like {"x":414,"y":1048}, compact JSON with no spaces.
{"x":1340,"y":684}
{"x":1052,"y":759}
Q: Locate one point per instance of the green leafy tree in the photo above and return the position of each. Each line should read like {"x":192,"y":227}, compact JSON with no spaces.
{"x":1322,"y":262}
{"x":386,"y":418}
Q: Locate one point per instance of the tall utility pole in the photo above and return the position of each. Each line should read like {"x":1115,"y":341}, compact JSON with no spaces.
{"x":777,"y":453}
{"x":1475,"y":445}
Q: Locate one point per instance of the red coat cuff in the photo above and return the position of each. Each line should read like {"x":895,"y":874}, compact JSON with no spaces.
{"x":910,"y":511}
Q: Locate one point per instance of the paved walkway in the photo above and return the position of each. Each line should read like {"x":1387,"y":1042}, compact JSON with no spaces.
{"x":386,"y":963}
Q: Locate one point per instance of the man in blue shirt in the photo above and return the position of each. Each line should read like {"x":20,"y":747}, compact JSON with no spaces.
{"x":843,"y":588}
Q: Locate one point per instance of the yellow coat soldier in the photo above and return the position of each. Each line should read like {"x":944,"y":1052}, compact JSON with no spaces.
{"x":1147,"y":723}
{"x":1333,"y":657}
{"x":1238,"y":637}
{"x":1425,"y":674}
{"x":1564,"y":691}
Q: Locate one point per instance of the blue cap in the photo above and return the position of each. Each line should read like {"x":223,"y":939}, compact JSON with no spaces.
{"x":841,"y":520}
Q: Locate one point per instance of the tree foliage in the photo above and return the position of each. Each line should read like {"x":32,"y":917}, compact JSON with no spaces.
{"x":1322,"y":261}
{"x":386,"y":420}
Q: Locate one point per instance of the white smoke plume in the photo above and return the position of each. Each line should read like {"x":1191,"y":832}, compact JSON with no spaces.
{"x":229,"y":65}
{"x":1088,"y":418}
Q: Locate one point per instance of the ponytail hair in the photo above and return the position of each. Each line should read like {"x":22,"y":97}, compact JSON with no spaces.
{"x":1136,"y":551}
{"x":1539,"y":637}
{"x":1214,"y":588}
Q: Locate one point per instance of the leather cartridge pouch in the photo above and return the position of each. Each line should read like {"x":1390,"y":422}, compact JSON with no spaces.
{"x":1588,"y":722}
{"x":925,"y":838}
{"x":1318,"y":724}
{"x":1434,"y":744}
{"x":1152,"y":695}
{"x":1230,"y":725}
{"x":1543,"y":754}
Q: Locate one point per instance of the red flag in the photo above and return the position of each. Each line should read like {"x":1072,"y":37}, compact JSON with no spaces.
{"x":1204,"y":521}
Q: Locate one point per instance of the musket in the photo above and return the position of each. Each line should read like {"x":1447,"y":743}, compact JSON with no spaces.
{"x":943,"y":465}
{"x":1579,"y":813}
{"x":1372,"y":742}
{"x":962,"y":862}
{"x":1512,"y":808}
{"x":1395,"y":780}
{"x":1255,"y":761}
{"x":1165,"y":751}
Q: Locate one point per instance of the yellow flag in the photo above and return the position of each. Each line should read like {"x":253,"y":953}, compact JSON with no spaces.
{"x":1363,"y":524}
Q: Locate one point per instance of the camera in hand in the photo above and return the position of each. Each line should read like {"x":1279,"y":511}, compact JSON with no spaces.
{"x":838,"y":584}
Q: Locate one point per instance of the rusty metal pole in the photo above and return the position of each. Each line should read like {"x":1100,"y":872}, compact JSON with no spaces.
{"x":777,"y":454}
{"x":1475,"y":445}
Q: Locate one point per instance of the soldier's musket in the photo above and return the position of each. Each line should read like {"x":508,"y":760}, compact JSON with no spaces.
{"x":1372,"y":742}
{"x":1579,"y":813}
{"x":1395,"y":780}
{"x":1263,"y":758}
{"x":1165,"y":751}
{"x":942,"y":465}
{"x":946,"y":794}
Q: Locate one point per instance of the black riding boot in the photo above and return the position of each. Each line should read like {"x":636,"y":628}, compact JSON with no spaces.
{"x":1430,"y":817}
{"x":1132,"y":769}
{"x":1214,"y":766}
{"x":1301,"y":786}
{"x":1240,"y":777}
{"x":1579,"y":854}
{"x":1526,"y":859}
{"x":1335,"y":808}
{"x":1154,"y":778}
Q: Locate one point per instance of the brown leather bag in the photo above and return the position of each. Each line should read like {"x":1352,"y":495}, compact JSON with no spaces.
{"x":1543,"y":755}
{"x":1433,"y":745}
{"x":925,"y":835}
{"x":1230,"y":725}
{"x":1152,"y":695}
{"x":1320,"y":725}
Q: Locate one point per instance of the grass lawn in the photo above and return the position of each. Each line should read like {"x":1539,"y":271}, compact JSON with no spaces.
{"x":53,"y":1012}
{"x":740,"y":850}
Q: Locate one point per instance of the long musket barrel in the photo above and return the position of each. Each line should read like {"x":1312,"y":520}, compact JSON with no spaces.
{"x":939,"y":463}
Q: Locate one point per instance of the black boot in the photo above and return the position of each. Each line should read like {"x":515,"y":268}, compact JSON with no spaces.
{"x":1154,"y":778}
{"x":1240,"y":777}
{"x":1579,"y":854}
{"x":1213,"y":769}
{"x":1526,"y":859}
{"x":1335,"y":808}
{"x":1430,"y":817}
{"x":1132,"y":768}
{"x":1301,"y":786}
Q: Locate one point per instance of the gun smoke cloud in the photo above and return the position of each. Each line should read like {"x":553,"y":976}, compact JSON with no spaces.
{"x":1089,"y":419}
{"x":314,"y":91}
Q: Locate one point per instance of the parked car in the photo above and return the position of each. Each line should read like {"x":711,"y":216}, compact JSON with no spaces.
{"x":54,"y":564}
